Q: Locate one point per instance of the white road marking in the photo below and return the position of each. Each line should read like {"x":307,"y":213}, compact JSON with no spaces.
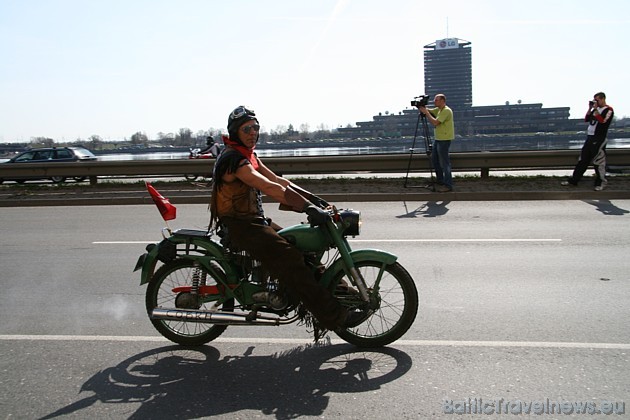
{"x":122,"y":242}
{"x":298,"y":341}
{"x":383,"y":240}
{"x":459,"y":240}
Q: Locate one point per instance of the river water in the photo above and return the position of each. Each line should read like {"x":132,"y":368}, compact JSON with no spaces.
{"x":262,"y":152}
{"x":363,"y":150}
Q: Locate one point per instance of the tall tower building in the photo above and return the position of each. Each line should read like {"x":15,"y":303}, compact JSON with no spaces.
{"x":448,"y":70}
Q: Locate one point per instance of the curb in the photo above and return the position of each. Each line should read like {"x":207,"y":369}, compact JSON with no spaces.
{"x":482,"y":196}
{"x":334,"y":198}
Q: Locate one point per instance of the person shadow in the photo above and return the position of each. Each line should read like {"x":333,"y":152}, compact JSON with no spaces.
{"x":429,"y":209}
{"x":184,"y":382}
{"x":607,"y":208}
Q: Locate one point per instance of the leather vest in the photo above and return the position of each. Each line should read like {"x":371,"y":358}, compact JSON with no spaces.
{"x":236,"y":199}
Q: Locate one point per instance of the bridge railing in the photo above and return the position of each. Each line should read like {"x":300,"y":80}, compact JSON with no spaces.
{"x":310,"y":165}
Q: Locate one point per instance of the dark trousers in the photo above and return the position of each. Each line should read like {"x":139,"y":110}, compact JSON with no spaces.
{"x":286,"y":263}
{"x":593,"y":151}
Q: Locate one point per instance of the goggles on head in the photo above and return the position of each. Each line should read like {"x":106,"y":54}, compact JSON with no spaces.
{"x":240,"y":112}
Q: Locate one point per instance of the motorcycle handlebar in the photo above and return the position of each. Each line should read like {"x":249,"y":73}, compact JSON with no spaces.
{"x":318,"y":201}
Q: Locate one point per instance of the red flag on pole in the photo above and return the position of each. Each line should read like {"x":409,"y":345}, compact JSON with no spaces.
{"x":167,"y":210}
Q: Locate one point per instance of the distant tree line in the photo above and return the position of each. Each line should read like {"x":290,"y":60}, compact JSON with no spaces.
{"x":186,"y":138}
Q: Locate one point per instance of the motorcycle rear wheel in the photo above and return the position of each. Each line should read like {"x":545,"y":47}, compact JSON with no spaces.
{"x":398,"y":305}
{"x":179,"y":273}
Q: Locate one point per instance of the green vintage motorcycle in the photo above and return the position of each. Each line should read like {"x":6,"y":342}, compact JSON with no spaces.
{"x":198,"y":285}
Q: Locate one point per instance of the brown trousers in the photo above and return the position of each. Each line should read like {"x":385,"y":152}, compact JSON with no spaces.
{"x":286,"y":263}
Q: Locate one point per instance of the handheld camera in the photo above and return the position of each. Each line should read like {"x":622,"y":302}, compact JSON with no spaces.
{"x":421,"y":100}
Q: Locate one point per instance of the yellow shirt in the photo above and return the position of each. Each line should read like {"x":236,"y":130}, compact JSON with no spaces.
{"x":446,"y":129}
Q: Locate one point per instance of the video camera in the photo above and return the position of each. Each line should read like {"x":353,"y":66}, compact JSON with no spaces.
{"x":421,"y":100}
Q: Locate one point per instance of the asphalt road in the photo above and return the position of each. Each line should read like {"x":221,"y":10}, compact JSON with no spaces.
{"x":523,"y":301}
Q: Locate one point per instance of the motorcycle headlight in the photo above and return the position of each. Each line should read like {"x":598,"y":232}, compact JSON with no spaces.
{"x":352,"y":221}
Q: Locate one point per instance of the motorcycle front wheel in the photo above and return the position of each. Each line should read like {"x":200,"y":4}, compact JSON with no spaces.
{"x":180,"y":273}
{"x":395,"y":296}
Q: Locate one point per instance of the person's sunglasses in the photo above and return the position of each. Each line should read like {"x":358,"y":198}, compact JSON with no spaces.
{"x":248,"y":129}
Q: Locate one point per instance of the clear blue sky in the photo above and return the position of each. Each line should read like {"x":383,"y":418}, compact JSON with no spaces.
{"x":74,"y":68}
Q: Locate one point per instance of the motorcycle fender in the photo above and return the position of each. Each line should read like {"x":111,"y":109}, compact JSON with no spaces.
{"x":147,"y":263}
{"x":357,"y":256}
{"x":149,"y":260}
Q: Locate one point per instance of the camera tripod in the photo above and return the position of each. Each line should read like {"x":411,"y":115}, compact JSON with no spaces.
{"x":428,"y":151}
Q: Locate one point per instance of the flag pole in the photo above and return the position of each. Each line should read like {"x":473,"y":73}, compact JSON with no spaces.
{"x":170,"y":232}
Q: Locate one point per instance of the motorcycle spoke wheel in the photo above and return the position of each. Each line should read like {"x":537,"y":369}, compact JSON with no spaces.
{"x":397,"y":299}
{"x":179,"y":273}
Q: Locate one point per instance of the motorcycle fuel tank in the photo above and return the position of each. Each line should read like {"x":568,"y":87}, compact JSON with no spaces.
{"x":306,"y":238}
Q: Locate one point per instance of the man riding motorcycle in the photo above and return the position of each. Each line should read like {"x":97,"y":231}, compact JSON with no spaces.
{"x":239,"y":180}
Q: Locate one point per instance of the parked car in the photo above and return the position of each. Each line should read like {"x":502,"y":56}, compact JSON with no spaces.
{"x":49,"y":154}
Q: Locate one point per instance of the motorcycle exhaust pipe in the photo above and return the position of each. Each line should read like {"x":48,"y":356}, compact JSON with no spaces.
{"x":224,"y":318}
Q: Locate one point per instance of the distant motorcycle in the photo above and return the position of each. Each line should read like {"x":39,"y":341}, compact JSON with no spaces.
{"x":195,"y":153}
{"x":199,"y":285}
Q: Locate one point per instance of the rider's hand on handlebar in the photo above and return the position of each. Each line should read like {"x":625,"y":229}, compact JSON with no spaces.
{"x":316,"y":215}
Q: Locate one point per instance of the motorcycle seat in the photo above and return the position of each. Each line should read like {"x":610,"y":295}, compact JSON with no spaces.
{"x":191,"y":233}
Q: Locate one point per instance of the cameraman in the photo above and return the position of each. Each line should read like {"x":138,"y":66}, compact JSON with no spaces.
{"x":441,"y":118}
{"x":599,"y":116}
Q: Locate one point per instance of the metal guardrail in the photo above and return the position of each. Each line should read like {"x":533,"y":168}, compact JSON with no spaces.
{"x":309,"y":165}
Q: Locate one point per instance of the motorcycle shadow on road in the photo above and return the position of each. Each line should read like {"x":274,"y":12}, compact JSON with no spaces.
{"x":181,"y":382}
